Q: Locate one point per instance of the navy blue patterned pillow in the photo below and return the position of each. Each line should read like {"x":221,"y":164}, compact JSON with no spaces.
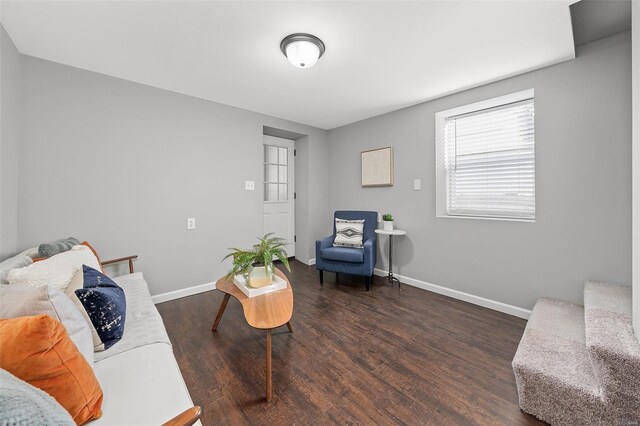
{"x":103,"y":304}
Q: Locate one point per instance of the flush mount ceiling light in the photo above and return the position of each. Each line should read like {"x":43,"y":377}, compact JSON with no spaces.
{"x":302,"y":50}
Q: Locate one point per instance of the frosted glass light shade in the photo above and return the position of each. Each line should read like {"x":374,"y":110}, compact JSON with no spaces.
{"x":303,"y":54}
{"x":302,"y":50}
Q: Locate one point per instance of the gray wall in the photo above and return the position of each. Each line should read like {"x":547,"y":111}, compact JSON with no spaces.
{"x":636,"y":164}
{"x":123,"y":165}
{"x":583,"y":186}
{"x":9,"y":137}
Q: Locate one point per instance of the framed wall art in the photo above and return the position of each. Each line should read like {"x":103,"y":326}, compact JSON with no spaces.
{"x":377,"y":167}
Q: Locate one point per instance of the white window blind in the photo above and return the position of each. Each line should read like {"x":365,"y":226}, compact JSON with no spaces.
{"x":489,"y":160}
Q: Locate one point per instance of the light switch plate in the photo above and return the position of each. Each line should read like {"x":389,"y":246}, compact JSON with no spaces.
{"x":191,"y":223}
{"x":249,"y":185}
{"x":417,"y":184}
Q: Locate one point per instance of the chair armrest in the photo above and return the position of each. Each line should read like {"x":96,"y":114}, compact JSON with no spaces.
{"x":121,"y":259}
{"x":368,"y":245}
{"x":325,"y":242}
{"x":321,"y":245}
{"x":186,"y":418}
{"x":370,"y":252}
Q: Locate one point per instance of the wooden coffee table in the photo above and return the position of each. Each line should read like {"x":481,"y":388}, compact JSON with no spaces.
{"x":264,"y":312}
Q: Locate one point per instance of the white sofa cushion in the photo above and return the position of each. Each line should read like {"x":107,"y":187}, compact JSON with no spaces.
{"x":144,"y":324}
{"x":142,"y":386}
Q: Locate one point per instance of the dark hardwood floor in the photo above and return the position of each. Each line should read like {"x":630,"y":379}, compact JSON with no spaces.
{"x":355,"y":357}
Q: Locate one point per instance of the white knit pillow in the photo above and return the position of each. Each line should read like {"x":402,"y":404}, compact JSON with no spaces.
{"x":56,"y":271}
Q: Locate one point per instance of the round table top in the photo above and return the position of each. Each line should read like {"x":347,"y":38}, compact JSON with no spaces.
{"x":269,"y":310}
{"x":394,"y":232}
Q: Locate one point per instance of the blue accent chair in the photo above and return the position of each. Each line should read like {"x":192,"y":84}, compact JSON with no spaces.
{"x":347,"y":260}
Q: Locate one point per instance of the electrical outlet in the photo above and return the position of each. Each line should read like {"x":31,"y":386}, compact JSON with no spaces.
{"x":249,"y":185}
{"x":417,"y":184}
{"x":191,"y":223}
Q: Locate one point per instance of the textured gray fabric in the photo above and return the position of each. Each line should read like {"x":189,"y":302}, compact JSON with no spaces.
{"x":578,"y":366}
{"x":21,"y":301}
{"x":18,"y":261}
{"x":552,"y":367}
{"x":144,"y":324}
{"x":22,"y":404}
{"x":56,"y":247}
{"x":613,"y":348}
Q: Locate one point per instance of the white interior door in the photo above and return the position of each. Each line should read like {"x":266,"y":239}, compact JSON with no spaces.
{"x":278,"y":200}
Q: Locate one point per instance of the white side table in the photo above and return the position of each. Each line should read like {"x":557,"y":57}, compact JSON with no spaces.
{"x":391,"y":234}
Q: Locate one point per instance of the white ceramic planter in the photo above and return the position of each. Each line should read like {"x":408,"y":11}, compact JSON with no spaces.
{"x":260,"y":276}
{"x":388,"y":225}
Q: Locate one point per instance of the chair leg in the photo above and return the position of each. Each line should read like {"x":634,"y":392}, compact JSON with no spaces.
{"x":367,"y":281}
{"x":321,"y":277}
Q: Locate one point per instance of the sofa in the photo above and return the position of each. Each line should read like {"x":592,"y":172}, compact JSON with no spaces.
{"x":139,"y":377}
{"x":348,"y":260}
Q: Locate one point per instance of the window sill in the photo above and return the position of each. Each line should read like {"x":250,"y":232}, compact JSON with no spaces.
{"x":501,"y":219}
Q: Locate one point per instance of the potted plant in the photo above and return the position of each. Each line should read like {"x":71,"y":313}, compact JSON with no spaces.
{"x":387,"y":222}
{"x":256,"y":264}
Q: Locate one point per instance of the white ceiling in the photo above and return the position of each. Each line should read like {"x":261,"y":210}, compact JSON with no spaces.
{"x":381,"y":56}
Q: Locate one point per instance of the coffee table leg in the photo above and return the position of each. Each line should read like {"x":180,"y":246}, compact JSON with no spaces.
{"x":269,"y":365}
{"x":223,"y":306}
{"x":289,"y":327}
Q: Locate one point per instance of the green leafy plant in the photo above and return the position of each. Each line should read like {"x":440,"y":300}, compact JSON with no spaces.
{"x":261,"y":254}
{"x":387,"y":217}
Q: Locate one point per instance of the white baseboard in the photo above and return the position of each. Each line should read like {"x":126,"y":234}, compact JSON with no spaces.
{"x":460,"y":295}
{"x":183,"y":292}
{"x":311,"y":262}
{"x":456,"y":294}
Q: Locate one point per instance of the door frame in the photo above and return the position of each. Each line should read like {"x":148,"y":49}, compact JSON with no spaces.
{"x":290,"y":144}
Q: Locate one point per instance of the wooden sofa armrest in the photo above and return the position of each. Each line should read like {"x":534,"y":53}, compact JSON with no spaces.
{"x":121,"y":259}
{"x":186,"y":418}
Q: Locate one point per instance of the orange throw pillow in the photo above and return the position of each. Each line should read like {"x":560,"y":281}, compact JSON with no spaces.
{"x":39,"y":351}
{"x":95,"y":253}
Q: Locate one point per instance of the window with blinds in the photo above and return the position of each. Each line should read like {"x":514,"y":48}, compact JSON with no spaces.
{"x":489,"y":161}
